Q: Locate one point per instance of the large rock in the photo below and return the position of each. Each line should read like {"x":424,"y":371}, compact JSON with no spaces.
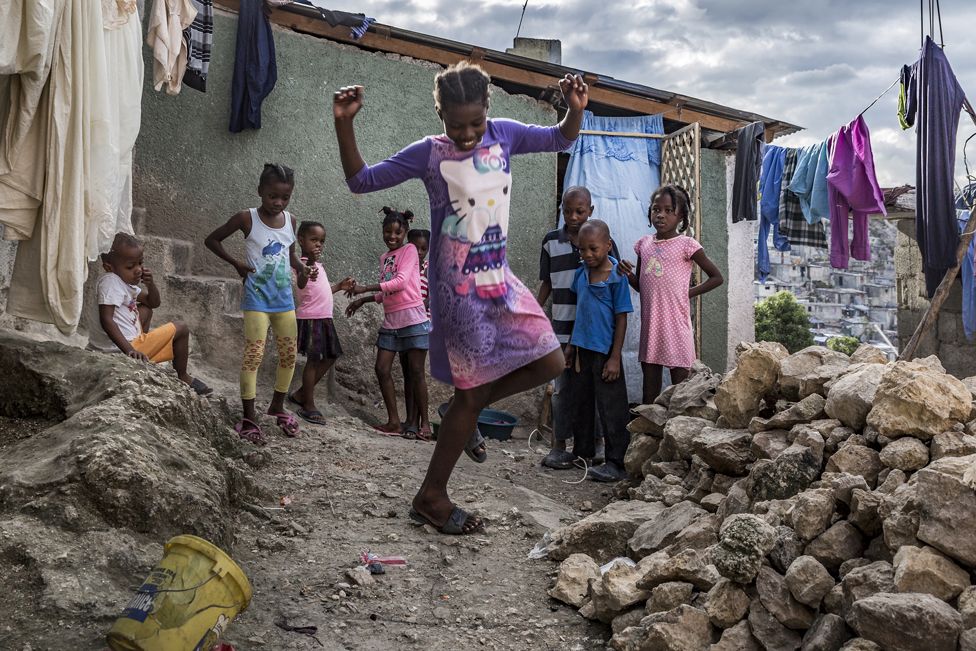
{"x":860,"y":644}
{"x":806,"y":372}
{"x":947,"y":508}
{"x":952,"y":444}
{"x":573,"y":580}
{"x":769,"y":444}
{"x":650,"y":420}
{"x":809,"y":409}
{"x":926,"y":570}
{"x":683,"y":629}
{"x":828,"y":633}
{"x":604,"y":534}
{"x":812,"y":512}
{"x":785,"y":476}
{"x":661,"y":531}
{"x":737,"y":638}
{"x":862,"y":582}
{"x":770,"y":633}
{"x":642,"y":447}
{"x":918,"y":399}
{"x":670,"y":595}
{"x":850,"y":396}
{"x":616,"y":591}
{"x":864,"y":511}
{"x":741,"y":391}
{"x":856,"y":460}
{"x":787,"y":548}
{"x":726,"y":604}
{"x":906,"y":454}
{"x":834,"y":546}
{"x":689,"y":566}
{"x":744,"y":540}
{"x":678,"y":436}
{"x":906,"y":622}
{"x":692,"y":397}
{"x":966,"y":606}
{"x":134,"y":448}
{"x":900,"y":516}
{"x":725,"y":450}
{"x":778,"y":600}
{"x":808,"y":581}
{"x":868,"y":354}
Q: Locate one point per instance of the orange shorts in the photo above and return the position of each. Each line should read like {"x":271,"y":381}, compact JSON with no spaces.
{"x":157,"y":344}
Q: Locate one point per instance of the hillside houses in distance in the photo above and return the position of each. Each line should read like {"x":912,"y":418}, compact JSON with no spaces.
{"x":860,"y":302}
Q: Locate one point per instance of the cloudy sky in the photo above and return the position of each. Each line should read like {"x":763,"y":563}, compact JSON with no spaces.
{"x":815,"y":63}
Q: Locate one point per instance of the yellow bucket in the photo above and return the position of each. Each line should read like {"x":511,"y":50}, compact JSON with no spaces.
{"x":186,"y":603}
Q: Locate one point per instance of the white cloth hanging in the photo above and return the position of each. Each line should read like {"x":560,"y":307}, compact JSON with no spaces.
{"x":165,"y":37}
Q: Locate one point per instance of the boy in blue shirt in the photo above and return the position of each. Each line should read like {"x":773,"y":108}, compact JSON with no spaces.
{"x":594,"y":352}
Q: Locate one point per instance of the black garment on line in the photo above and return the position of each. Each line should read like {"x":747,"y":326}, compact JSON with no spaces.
{"x":610,"y":407}
{"x":358,"y":22}
{"x":748,"y":160}
{"x":255,"y":69}
{"x":935,"y":112}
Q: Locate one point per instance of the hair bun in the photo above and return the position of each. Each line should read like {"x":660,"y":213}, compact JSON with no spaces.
{"x":386,"y":210}
{"x":408,"y":215}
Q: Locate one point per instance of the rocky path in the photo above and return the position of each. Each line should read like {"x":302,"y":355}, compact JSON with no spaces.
{"x":349,"y":489}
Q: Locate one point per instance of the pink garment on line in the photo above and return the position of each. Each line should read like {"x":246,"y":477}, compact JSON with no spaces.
{"x":852,"y":186}
{"x":666,"y":337}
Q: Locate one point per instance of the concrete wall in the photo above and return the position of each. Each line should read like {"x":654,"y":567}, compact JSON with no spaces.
{"x":727,"y":312}
{"x":947,"y":339}
{"x":192,"y":173}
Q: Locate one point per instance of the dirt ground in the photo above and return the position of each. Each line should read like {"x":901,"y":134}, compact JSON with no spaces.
{"x":350,"y":489}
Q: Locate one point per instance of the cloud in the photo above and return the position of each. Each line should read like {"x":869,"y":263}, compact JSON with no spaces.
{"x":816,"y":64}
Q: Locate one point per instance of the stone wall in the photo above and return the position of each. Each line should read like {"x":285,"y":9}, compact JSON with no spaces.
{"x":947,"y":340}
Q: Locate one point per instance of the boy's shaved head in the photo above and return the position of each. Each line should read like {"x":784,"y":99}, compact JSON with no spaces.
{"x":596,"y":227}
{"x":578,"y":191}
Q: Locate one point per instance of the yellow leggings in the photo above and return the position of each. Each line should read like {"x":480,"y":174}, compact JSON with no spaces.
{"x":285,"y":329}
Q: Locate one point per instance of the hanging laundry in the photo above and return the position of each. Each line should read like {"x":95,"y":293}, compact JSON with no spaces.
{"x":809,"y":182}
{"x":255,"y":69}
{"x":936,"y":115}
{"x":852,"y":186}
{"x":770,"y":184}
{"x":358,"y":22}
{"x":907,"y":97}
{"x":748,"y":158}
{"x":70,"y":152}
{"x":167,"y":22}
{"x":792,"y":224}
{"x":968,"y":277}
{"x":124,"y":69}
{"x":28,"y":48}
{"x":199,"y":39}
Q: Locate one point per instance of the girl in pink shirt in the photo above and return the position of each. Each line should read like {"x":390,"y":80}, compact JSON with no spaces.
{"x":317,"y":338}
{"x":665,"y":261}
{"x":406,"y":327}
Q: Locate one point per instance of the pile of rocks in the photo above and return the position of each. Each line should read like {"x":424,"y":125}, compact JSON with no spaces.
{"x":805,"y":501}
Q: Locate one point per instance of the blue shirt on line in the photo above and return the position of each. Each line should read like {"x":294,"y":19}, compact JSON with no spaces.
{"x":597,"y":305}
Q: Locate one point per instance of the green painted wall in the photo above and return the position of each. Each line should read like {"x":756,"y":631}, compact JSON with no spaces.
{"x":715,"y":240}
{"x":192,"y":173}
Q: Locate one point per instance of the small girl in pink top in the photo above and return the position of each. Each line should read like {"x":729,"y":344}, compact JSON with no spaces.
{"x":664,"y":264}
{"x":317,"y":338}
{"x":406,"y":327}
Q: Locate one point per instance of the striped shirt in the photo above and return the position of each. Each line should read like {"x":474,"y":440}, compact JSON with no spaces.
{"x":558,"y":264}
{"x":424,"y":291}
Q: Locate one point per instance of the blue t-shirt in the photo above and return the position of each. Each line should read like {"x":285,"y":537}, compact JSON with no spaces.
{"x":597,"y":305}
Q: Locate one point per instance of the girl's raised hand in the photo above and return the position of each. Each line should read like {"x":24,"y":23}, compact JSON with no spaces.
{"x":346,"y":102}
{"x":575,"y":92}
{"x":347,"y":284}
{"x":353,"y":307}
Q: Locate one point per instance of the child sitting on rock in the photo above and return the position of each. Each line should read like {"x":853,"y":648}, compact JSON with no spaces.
{"x":125,"y":312}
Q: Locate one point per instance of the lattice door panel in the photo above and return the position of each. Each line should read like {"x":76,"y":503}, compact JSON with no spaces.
{"x":681,"y":165}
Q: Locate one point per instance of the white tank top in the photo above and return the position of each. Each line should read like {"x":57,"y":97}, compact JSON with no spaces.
{"x":268,"y":289}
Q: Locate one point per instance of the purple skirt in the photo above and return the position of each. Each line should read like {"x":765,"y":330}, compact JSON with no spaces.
{"x":317,"y":339}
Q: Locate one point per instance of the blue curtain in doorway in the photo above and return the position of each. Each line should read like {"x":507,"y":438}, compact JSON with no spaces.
{"x":621,"y":173}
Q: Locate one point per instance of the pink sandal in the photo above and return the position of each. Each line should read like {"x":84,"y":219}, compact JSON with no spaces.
{"x":287,"y":423}
{"x":249,"y":431}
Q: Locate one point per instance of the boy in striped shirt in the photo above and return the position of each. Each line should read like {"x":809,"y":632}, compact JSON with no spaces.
{"x":558,"y":263}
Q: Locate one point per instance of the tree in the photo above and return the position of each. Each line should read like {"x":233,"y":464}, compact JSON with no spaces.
{"x":781,"y":318}
{"x":845,"y":344}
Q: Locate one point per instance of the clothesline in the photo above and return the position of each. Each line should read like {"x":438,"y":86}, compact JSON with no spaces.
{"x":622,"y":134}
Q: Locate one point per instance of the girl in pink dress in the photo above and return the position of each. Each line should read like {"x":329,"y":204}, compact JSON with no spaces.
{"x":663,"y":278}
